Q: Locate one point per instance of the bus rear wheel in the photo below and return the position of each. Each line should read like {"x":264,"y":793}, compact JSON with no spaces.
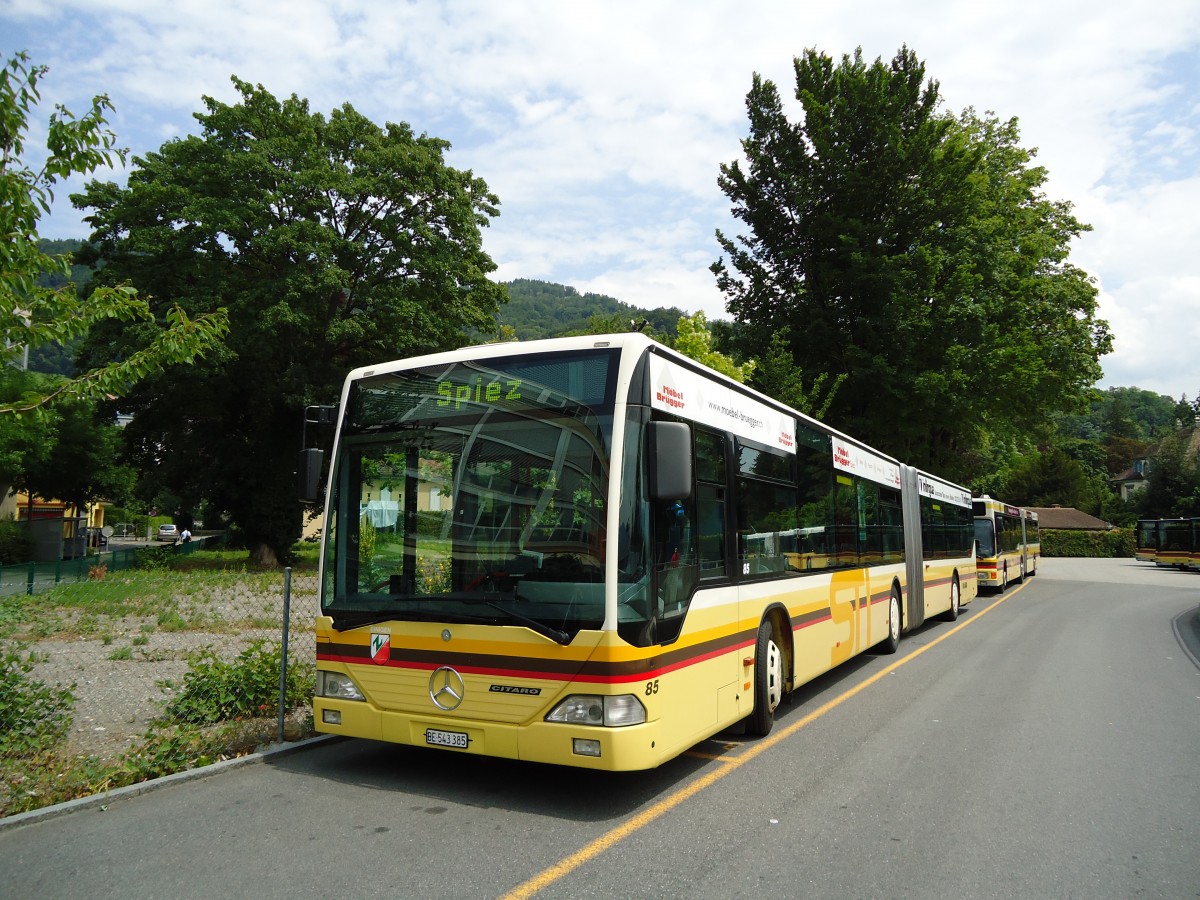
{"x":768,"y":682}
{"x":891,"y":643}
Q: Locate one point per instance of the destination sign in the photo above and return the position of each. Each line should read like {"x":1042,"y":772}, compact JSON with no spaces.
{"x":455,"y":394}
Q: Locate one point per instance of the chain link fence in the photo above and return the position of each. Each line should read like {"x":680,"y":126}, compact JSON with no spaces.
{"x":139,"y":663}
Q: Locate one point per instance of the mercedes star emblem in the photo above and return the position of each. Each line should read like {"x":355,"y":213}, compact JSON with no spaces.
{"x":446,"y":688}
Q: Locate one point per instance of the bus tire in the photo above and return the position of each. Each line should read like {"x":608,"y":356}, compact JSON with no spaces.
{"x":891,"y":643}
{"x":768,"y":682}
{"x":951,"y":614}
{"x":1004,"y":579}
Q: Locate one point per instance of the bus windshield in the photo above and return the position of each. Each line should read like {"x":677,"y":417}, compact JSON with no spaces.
{"x":474,"y":492}
{"x":985,"y":539}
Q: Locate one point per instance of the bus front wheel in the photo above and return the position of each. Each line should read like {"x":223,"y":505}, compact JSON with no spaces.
{"x":768,"y":682}
{"x":955,"y":601}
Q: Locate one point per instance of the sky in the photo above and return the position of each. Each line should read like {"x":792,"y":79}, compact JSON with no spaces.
{"x":602,"y":126}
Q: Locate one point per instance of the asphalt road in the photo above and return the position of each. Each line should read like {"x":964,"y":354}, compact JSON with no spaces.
{"x":1045,"y":745}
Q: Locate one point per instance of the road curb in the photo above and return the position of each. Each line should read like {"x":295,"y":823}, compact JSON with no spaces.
{"x":273,"y":751}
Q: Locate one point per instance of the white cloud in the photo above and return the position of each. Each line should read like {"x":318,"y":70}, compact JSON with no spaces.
{"x":601,"y":125}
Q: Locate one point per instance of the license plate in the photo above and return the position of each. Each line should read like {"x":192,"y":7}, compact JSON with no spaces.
{"x":446,"y":738}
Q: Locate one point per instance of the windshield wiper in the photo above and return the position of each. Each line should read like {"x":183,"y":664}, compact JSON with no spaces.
{"x":344,"y":620}
{"x":541,"y":628}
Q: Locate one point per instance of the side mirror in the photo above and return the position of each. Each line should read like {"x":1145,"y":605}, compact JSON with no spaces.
{"x":669,"y":457}
{"x":311,"y":463}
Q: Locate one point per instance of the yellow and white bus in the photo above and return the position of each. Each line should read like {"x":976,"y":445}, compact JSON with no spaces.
{"x":595,"y":552}
{"x":1146,"y":540}
{"x":1177,"y":539}
{"x":1007,"y":542}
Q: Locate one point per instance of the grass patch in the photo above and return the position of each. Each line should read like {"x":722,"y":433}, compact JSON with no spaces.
{"x":170,"y":620}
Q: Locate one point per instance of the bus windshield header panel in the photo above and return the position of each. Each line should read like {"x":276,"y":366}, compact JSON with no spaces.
{"x":536,"y":385}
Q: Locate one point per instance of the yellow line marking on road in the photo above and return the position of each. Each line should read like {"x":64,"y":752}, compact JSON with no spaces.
{"x":613,"y":837}
{"x":696,"y":754}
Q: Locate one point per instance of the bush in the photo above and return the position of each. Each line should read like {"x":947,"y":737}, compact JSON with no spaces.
{"x":155,"y":559}
{"x":1114,"y":543}
{"x":15,"y":546}
{"x":33,"y":716}
{"x":169,"y":750}
{"x":215,"y":690}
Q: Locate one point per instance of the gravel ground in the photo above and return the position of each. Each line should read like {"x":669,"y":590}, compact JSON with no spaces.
{"x":116,"y":699}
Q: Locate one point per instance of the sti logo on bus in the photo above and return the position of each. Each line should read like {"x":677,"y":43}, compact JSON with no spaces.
{"x":455,"y":395}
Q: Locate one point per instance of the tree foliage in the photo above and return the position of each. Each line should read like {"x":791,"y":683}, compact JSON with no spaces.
{"x":38,"y":303}
{"x":695,"y":341}
{"x":913,"y":253}
{"x":777,"y":374}
{"x":65,"y":453}
{"x":333,"y":243}
{"x":1173,"y":486}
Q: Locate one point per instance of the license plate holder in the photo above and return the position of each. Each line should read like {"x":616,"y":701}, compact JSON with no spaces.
{"x":435,"y":737}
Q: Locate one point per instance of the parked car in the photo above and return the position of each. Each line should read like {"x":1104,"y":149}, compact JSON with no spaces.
{"x":168,"y":533}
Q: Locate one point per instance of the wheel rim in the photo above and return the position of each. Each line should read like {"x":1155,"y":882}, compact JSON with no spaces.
{"x":894,"y":618}
{"x":954,"y":597}
{"x":774,"y":676}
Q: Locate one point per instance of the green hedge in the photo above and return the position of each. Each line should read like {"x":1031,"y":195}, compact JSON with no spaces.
{"x":15,"y":545}
{"x":1116,"y":542}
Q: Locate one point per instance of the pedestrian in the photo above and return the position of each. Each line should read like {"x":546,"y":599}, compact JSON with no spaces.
{"x":186,"y":536}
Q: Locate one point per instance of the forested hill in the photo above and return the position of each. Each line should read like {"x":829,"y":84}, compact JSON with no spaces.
{"x":539,"y":309}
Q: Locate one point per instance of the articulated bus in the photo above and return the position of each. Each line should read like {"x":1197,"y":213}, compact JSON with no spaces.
{"x":1146,"y":540}
{"x":1007,"y":542}
{"x":1177,"y":543}
{"x":595,"y":552}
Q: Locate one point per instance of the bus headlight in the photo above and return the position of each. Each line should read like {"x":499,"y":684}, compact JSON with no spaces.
{"x":589,"y":709}
{"x":337,"y":686}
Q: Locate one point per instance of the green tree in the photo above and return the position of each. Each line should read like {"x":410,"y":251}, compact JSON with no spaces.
{"x":38,"y":303}
{"x":65,"y":452}
{"x":910,"y":251}
{"x":333,"y":242}
{"x":1050,"y":478}
{"x":777,"y":375}
{"x":24,"y":441}
{"x":1173,"y":486}
{"x":695,"y":341}
{"x":1185,"y":412}
{"x":81,"y":462}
